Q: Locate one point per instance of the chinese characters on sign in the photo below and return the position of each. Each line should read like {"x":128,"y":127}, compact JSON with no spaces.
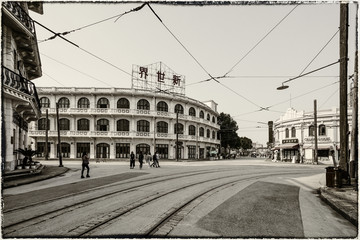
{"x":157,"y":77}
{"x":143,"y":71}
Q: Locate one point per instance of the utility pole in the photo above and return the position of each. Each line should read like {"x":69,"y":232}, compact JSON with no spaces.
{"x":177,"y":136}
{"x":46,"y":135}
{"x":344,"y":19}
{"x":58,"y":130}
{"x":354,"y":131}
{"x":315,"y":134}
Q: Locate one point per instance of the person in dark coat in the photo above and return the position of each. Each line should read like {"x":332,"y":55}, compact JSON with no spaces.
{"x":141,"y":159}
{"x":132,"y":160}
{"x":85,"y":164}
{"x":156,"y":159}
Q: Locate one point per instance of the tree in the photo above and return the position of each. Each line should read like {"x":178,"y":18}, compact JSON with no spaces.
{"x":228,"y":128}
{"x":245,"y":143}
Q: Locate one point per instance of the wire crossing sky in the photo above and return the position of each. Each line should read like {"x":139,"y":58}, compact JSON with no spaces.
{"x":273,"y":41}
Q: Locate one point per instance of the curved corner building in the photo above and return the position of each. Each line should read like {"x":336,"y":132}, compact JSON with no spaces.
{"x":110,"y":123}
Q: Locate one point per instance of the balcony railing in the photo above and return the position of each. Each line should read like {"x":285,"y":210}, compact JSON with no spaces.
{"x":19,"y":83}
{"x":120,"y":134}
{"x":16,"y":10}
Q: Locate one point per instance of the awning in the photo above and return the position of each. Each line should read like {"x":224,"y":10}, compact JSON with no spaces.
{"x":287,"y":146}
{"x":320,"y":146}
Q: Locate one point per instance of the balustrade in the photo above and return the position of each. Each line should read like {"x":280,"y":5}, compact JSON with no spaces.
{"x":19,"y":83}
{"x":16,"y":10}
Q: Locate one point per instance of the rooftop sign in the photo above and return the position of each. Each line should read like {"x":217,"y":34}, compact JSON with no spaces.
{"x":157,"y":77}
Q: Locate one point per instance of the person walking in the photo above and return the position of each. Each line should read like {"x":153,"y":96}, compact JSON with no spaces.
{"x":141,"y":159}
{"x":156,"y":159}
{"x":132,"y":160}
{"x":148,"y":159}
{"x":85,"y":164}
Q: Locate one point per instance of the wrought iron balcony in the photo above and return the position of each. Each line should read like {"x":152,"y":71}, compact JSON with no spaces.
{"x":20,"y":14}
{"x":14,"y":81}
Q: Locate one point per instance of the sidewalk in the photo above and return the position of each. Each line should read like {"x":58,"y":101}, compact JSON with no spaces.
{"x":21,"y":177}
{"x":344,"y":200}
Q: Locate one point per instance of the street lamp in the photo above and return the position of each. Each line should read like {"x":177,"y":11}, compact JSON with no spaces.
{"x":282,"y":87}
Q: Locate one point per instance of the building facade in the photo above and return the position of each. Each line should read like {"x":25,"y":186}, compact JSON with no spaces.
{"x":110,"y":123}
{"x":20,"y":64}
{"x":294,"y":135}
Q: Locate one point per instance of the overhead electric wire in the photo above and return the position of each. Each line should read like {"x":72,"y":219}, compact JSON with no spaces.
{"x":261,"y":40}
{"x":157,"y":16}
{"x":72,"y":43}
{"x":52,"y":79}
{"x":318,"y":69}
{"x":76,"y":70}
{"x":304,"y":94}
{"x":319,"y":52}
{"x":211,"y":77}
{"x":328,"y":98}
{"x":95,"y":23}
{"x":276,"y":77}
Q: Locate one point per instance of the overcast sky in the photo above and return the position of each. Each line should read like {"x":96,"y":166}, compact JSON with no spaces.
{"x":256,"y":46}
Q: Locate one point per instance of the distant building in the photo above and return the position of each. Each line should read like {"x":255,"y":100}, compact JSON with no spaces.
{"x":294,"y":135}
{"x":110,"y":123}
{"x":20,"y":64}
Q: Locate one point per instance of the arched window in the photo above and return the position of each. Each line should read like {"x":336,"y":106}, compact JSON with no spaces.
{"x":179,"y":109}
{"x":65,"y":150}
{"x":322,"y":130}
{"x":123,"y":125}
{"x":162,"y":127}
{"x":213,"y":134}
{"x":103,"y":103}
{"x":123,"y":103}
{"x":311,"y":130}
{"x":102,"y":125}
{"x":44,"y":102}
{"x":293,"y":132}
{"x":64,"y":102}
{"x":162,"y":107}
{"x":143,"y":104}
{"x":64,"y":124}
{"x":208,"y":133}
{"x":83,"y":125}
{"x":143,"y":126}
{"x":179,"y":127}
{"x":208,"y":117}
{"x":286,"y":133}
{"x":201,"y":115}
{"x":192,"y":111}
{"x":102,"y":150}
{"x":201,"y":132}
{"x":213,"y":119}
{"x":42,"y":124}
{"x":192,"y":130}
{"x":83,"y":103}
{"x":144,"y":148}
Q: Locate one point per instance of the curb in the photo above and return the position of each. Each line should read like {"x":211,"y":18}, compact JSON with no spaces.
{"x":342,"y":206}
{"x":35,"y":178}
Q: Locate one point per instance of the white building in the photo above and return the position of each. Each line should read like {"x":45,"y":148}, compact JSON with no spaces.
{"x":294,"y":135}
{"x":110,"y":123}
{"x":20,"y":64}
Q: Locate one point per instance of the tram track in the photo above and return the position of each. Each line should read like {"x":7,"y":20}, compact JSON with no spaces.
{"x":91,"y":227}
{"x":102,"y":196}
{"x":113,"y":185}
{"x":170,"y":219}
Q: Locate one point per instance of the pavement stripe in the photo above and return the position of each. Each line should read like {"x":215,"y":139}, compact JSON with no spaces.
{"x":262,"y":209}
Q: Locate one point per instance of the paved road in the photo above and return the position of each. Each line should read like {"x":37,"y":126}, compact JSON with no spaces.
{"x":234,"y":198}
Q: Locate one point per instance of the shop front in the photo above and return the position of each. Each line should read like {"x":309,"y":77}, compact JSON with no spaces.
{"x":289,"y":149}
{"x":325,"y":149}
